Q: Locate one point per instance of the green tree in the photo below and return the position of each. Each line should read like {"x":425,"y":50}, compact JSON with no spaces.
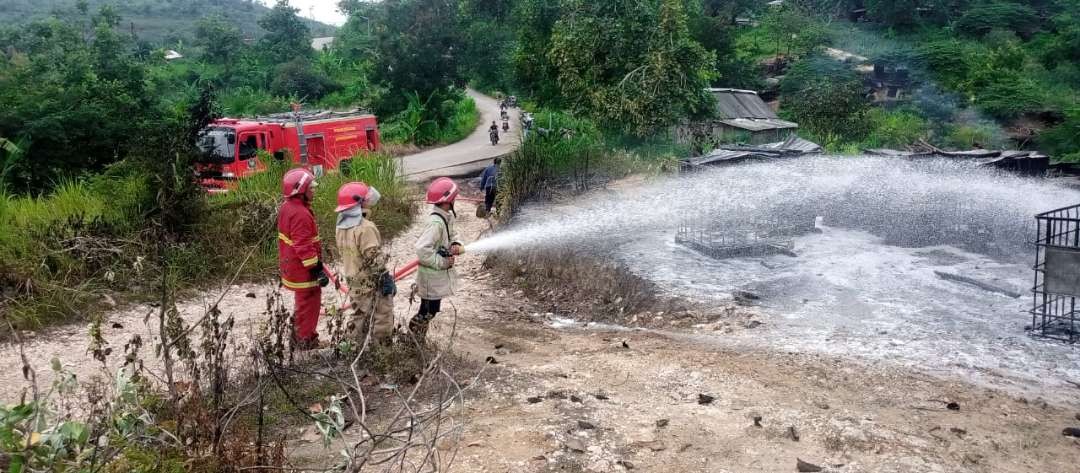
{"x":534,"y":72}
{"x":1063,"y":141}
{"x":287,"y":37}
{"x":986,"y":16}
{"x":298,"y":77}
{"x":356,"y":39}
{"x":1063,"y":46}
{"x":418,"y":49}
{"x":221,"y":41}
{"x":632,"y":64}
{"x":794,"y":32}
{"x":826,"y":98}
{"x":728,"y":10}
{"x":75,"y":104}
{"x":487,"y":38}
{"x":900,"y":13}
{"x":712,"y":28}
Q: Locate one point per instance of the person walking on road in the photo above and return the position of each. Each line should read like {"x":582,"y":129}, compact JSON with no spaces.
{"x":300,"y":256}
{"x":489,"y":184}
{"x":363,"y":259}
{"x":436,"y":249}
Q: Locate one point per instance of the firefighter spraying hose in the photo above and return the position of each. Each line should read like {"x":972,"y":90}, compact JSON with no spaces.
{"x":436,"y":249}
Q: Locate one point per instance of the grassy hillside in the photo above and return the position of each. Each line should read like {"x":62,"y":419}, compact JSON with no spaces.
{"x":156,"y":21}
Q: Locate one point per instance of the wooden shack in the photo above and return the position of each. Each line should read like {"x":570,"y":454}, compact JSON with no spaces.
{"x":741,"y":117}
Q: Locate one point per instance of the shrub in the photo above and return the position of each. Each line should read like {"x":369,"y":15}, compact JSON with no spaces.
{"x":948,"y":59}
{"x":248,"y":101}
{"x":1063,"y":141}
{"x":463,"y":119}
{"x":1010,"y":93}
{"x":426,"y":122}
{"x":560,"y":145}
{"x":58,"y":250}
{"x":299,"y":78}
{"x":990,"y":15}
{"x":564,"y":151}
{"x":826,"y":98}
{"x":895,"y":128}
{"x":967,"y":135}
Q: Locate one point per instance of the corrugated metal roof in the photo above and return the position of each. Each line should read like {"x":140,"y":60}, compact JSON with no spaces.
{"x":791,"y":147}
{"x":736,"y":103}
{"x":759,"y":124}
{"x":795,"y":143}
{"x":975,"y":153}
{"x":720,"y":156}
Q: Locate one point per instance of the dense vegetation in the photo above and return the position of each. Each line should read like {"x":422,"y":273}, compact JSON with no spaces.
{"x":983,"y":72}
{"x":161,"y":22}
{"x":85,"y":83}
{"x":82,"y":81}
{"x":991,"y":73}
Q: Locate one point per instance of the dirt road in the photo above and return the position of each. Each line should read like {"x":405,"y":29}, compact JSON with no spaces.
{"x":470,"y":154}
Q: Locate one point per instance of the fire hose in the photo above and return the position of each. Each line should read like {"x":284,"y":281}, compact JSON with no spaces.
{"x":343,"y":288}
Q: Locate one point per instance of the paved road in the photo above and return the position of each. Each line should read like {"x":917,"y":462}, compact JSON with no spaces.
{"x":468,"y":155}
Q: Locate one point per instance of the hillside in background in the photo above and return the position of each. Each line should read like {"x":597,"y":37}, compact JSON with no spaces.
{"x":156,"y":21}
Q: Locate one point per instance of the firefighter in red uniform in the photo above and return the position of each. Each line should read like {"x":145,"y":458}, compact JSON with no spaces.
{"x":299,"y":255}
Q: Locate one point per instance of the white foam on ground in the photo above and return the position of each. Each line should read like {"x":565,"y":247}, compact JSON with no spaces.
{"x":848,"y":293}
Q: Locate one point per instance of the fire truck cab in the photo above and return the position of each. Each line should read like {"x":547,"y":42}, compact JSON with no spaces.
{"x":317,"y":140}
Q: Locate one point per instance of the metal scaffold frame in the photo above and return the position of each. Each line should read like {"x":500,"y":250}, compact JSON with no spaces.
{"x":1054,"y":312}
{"x":722,"y":238}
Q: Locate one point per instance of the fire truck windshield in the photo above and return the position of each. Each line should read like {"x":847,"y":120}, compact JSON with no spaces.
{"x":218,"y":145}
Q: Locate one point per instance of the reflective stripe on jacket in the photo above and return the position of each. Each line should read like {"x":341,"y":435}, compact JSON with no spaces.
{"x":298,"y":245}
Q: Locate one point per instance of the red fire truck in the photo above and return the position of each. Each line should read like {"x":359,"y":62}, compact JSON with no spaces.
{"x":316,"y":140}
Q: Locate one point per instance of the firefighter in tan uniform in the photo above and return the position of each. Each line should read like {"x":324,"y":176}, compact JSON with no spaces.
{"x":371,"y":286}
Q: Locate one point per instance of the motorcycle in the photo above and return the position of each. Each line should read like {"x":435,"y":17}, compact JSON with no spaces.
{"x":494,"y":135}
{"x":506,"y":125}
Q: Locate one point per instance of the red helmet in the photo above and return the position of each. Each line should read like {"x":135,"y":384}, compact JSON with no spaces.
{"x":442,"y":191}
{"x":297,"y":182}
{"x":350,"y":195}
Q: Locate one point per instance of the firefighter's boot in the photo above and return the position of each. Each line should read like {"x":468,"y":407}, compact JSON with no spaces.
{"x":418,"y":327}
